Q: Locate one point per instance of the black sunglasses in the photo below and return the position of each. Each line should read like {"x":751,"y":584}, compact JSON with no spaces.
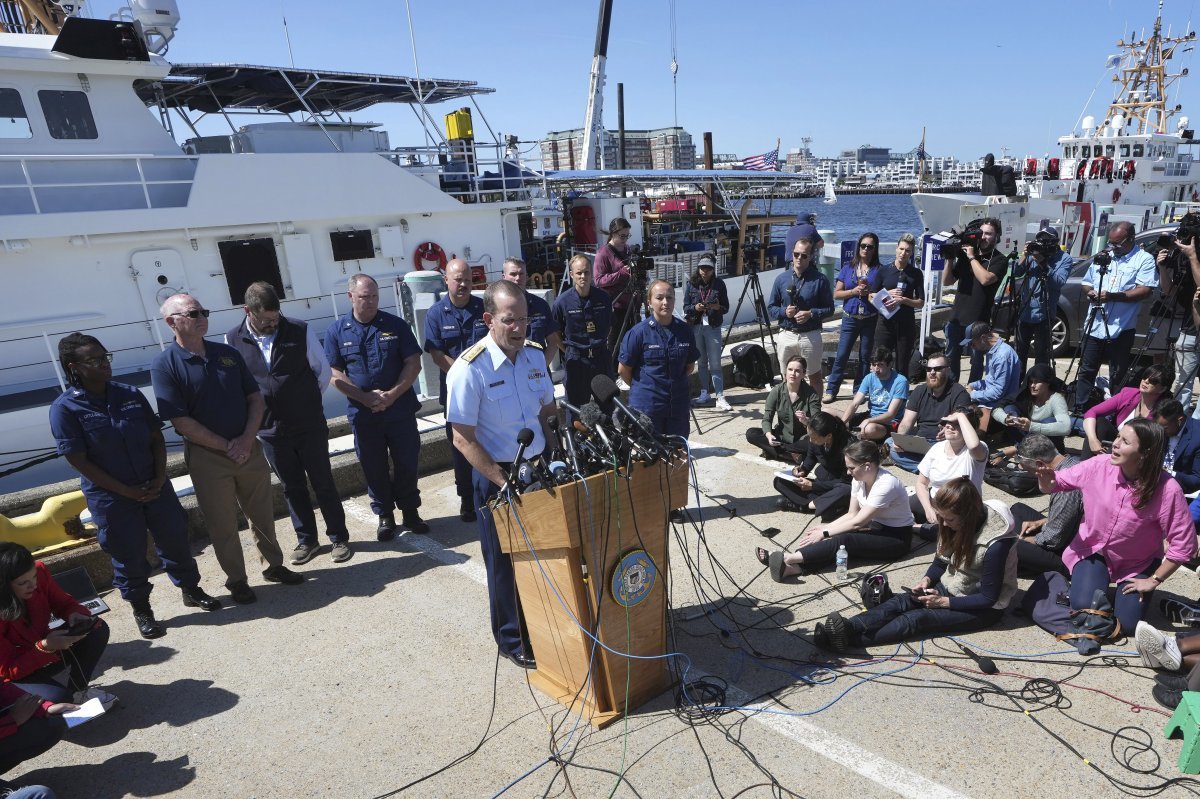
{"x":865,"y":246}
{"x":935,"y":368}
{"x":947,"y":423}
{"x":193,"y":314}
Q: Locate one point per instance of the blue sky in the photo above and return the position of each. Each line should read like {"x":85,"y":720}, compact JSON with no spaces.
{"x":844,"y":73}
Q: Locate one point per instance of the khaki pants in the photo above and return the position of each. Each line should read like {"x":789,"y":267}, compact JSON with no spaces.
{"x":807,"y":345}
{"x":219,"y":482}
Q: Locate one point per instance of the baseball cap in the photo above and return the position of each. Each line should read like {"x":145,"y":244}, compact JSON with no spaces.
{"x":976,"y":330}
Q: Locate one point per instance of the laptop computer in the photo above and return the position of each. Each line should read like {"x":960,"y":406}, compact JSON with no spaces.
{"x":77,"y":583}
{"x":917,"y":445}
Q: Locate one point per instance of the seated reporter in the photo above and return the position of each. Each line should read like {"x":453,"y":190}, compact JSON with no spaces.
{"x":820,"y":484}
{"x":959,"y":452}
{"x":885,"y":391}
{"x":1102,"y":421}
{"x":1181,"y":452}
{"x":878,"y":525}
{"x":927,"y":405}
{"x":1043,"y":538}
{"x":1041,"y":407}
{"x":1132,"y":508}
{"x":31,"y":654}
{"x":1001,"y":371}
{"x":786,"y":413}
{"x":29,"y":726}
{"x":968,"y":586}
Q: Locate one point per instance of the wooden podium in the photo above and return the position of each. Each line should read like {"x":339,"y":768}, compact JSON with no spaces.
{"x":567,"y":545}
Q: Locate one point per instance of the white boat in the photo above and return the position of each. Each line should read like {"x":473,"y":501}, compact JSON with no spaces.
{"x":1139,"y":164}
{"x":830,"y":197}
{"x":103,"y":214}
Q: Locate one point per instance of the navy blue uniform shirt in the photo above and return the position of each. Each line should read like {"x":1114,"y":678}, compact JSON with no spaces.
{"x":114,"y":431}
{"x":452,"y":329}
{"x":541,"y":319}
{"x":212,"y":390}
{"x":584,"y":321}
{"x":659,"y":357}
{"x":372,"y":355}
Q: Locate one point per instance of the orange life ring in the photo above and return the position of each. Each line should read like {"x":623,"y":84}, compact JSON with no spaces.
{"x":429,"y":251}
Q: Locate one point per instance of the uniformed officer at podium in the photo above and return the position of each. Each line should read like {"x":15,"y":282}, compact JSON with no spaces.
{"x":495,"y":389}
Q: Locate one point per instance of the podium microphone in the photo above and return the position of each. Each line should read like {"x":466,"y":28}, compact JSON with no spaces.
{"x":567,"y":434}
{"x":591,"y":416}
{"x":605,"y":391}
{"x":985,"y":664}
{"x":524,"y":439}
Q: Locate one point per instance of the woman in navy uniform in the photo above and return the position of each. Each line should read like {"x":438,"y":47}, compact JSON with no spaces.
{"x":109,"y":433}
{"x":584,"y":314}
{"x":657,"y":356}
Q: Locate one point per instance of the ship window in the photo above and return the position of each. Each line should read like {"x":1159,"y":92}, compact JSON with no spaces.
{"x":1124,"y":150}
{"x":1137,"y":151}
{"x":1087,"y":151}
{"x":14,"y":122}
{"x":68,"y":115}
{"x":1110,"y":150}
{"x":1169,"y":152}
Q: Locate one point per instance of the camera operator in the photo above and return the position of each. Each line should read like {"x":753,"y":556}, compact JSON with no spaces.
{"x":1174,"y":255}
{"x":612,"y":272}
{"x":1045,"y":269}
{"x":1116,"y":291}
{"x":977,"y":272}
{"x":800,"y":301}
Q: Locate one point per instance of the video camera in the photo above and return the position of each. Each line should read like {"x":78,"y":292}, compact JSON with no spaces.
{"x":1044,"y":244}
{"x":1182,"y":284}
{"x":1188,"y":230}
{"x":970,"y":237}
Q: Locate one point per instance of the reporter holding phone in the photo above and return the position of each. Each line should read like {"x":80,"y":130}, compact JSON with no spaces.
{"x":31,"y":654}
{"x":967,"y":587}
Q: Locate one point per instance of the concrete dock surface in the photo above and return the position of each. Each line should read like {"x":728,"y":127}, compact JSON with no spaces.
{"x":379,"y":677}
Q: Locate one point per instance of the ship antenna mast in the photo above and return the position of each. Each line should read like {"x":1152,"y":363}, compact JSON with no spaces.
{"x":1141,"y":97}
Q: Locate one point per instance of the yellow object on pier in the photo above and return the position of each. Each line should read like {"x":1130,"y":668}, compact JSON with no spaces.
{"x":56,"y":526}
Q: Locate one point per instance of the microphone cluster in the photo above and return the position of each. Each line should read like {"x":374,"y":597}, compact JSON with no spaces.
{"x":605,"y":434}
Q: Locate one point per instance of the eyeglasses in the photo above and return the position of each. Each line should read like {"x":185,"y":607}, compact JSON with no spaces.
{"x":621,"y":236}
{"x":97,"y":361}
{"x":798,"y":255}
{"x":193,"y":314}
{"x":865,"y":246}
{"x":1154,"y":381}
{"x":514,"y":322}
{"x":929,"y":368}
{"x":947,"y":423}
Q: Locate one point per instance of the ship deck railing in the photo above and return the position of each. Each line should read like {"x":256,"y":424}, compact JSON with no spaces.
{"x":41,"y":184}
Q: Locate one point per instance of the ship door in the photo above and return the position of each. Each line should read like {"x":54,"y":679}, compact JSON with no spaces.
{"x":247,"y":261}
{"x":159,"y":274}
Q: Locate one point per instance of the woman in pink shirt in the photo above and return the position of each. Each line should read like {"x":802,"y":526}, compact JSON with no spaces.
{"x":1129,"y":506}
{"x":1101,"y":422}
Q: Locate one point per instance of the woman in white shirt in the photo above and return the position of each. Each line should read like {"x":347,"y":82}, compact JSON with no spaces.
{"x":958,"y":453}
{"x":878,"y":525}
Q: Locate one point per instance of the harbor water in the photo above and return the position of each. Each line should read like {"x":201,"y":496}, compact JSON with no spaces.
{"x":887,"y":215}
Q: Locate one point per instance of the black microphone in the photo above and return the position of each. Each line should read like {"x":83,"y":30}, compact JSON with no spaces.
{"x":524,"y":439}
{"x":605,"y":391}
{"x":648,"y":455}
{"x":567,"y":433}
{"x":592,"y":418}
{"x":985,"y":664}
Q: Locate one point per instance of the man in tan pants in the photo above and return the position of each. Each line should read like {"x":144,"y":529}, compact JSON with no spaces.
{"x":205,"y":390}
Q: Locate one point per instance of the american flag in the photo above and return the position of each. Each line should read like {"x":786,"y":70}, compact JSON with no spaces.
{"x":767,"y":162}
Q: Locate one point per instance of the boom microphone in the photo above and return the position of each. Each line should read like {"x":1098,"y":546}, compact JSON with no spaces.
{"x":985,"y":664}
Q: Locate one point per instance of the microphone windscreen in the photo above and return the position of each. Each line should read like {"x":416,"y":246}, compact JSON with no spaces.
{"x":590,"y":415}
{"x":603,"y":389}
{"x":525,"y":436}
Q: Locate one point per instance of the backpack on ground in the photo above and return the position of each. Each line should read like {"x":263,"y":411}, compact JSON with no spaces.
{"x":751,"y":366}
{"x":1012,"y":479}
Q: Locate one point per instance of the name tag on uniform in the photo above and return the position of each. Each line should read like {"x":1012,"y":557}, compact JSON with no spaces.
{"x":497,"y":383}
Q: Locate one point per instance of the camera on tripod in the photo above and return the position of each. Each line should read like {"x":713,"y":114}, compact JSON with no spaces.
{"x":970,"y":237}
{"x":1182,"y":285}
{"x":1044,"y":244}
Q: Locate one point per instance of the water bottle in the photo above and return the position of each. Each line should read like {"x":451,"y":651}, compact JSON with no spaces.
{"x":842,"y":559}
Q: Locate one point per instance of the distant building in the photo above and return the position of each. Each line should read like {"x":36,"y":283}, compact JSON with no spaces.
{"x":660,"y":148}
{"x":875,"y":156}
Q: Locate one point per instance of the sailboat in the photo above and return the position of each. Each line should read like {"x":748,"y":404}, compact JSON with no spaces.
{"x":830,"y":197}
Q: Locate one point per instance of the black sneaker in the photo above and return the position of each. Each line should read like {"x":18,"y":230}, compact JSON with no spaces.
{"x":1173,"y":681}
{"x":1167,"y":697}
{"x":786,"y":504}
{"x":676,"y":516}
{"x":466,"y":509}
{"x":413,"y":521}
{"x":282,"y":574}
{"x":196,"y":598}
{"x":147,"y":625}
{"x":341,"y":551}
{"x":242,"y":593}
{"x":386,"y":530}
{"x":1179,"y":612}
{"x":836,"y":630}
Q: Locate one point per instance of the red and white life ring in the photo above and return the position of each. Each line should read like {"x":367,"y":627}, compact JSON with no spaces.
{"x":429,"y":251}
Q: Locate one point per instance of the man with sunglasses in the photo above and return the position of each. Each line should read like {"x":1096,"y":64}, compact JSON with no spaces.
{"x":291,"y":369}
{"x":204,"y":389}
{"x":928,"y":403}
{"x":800,"y":301}
{"x":1116,"y":293}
